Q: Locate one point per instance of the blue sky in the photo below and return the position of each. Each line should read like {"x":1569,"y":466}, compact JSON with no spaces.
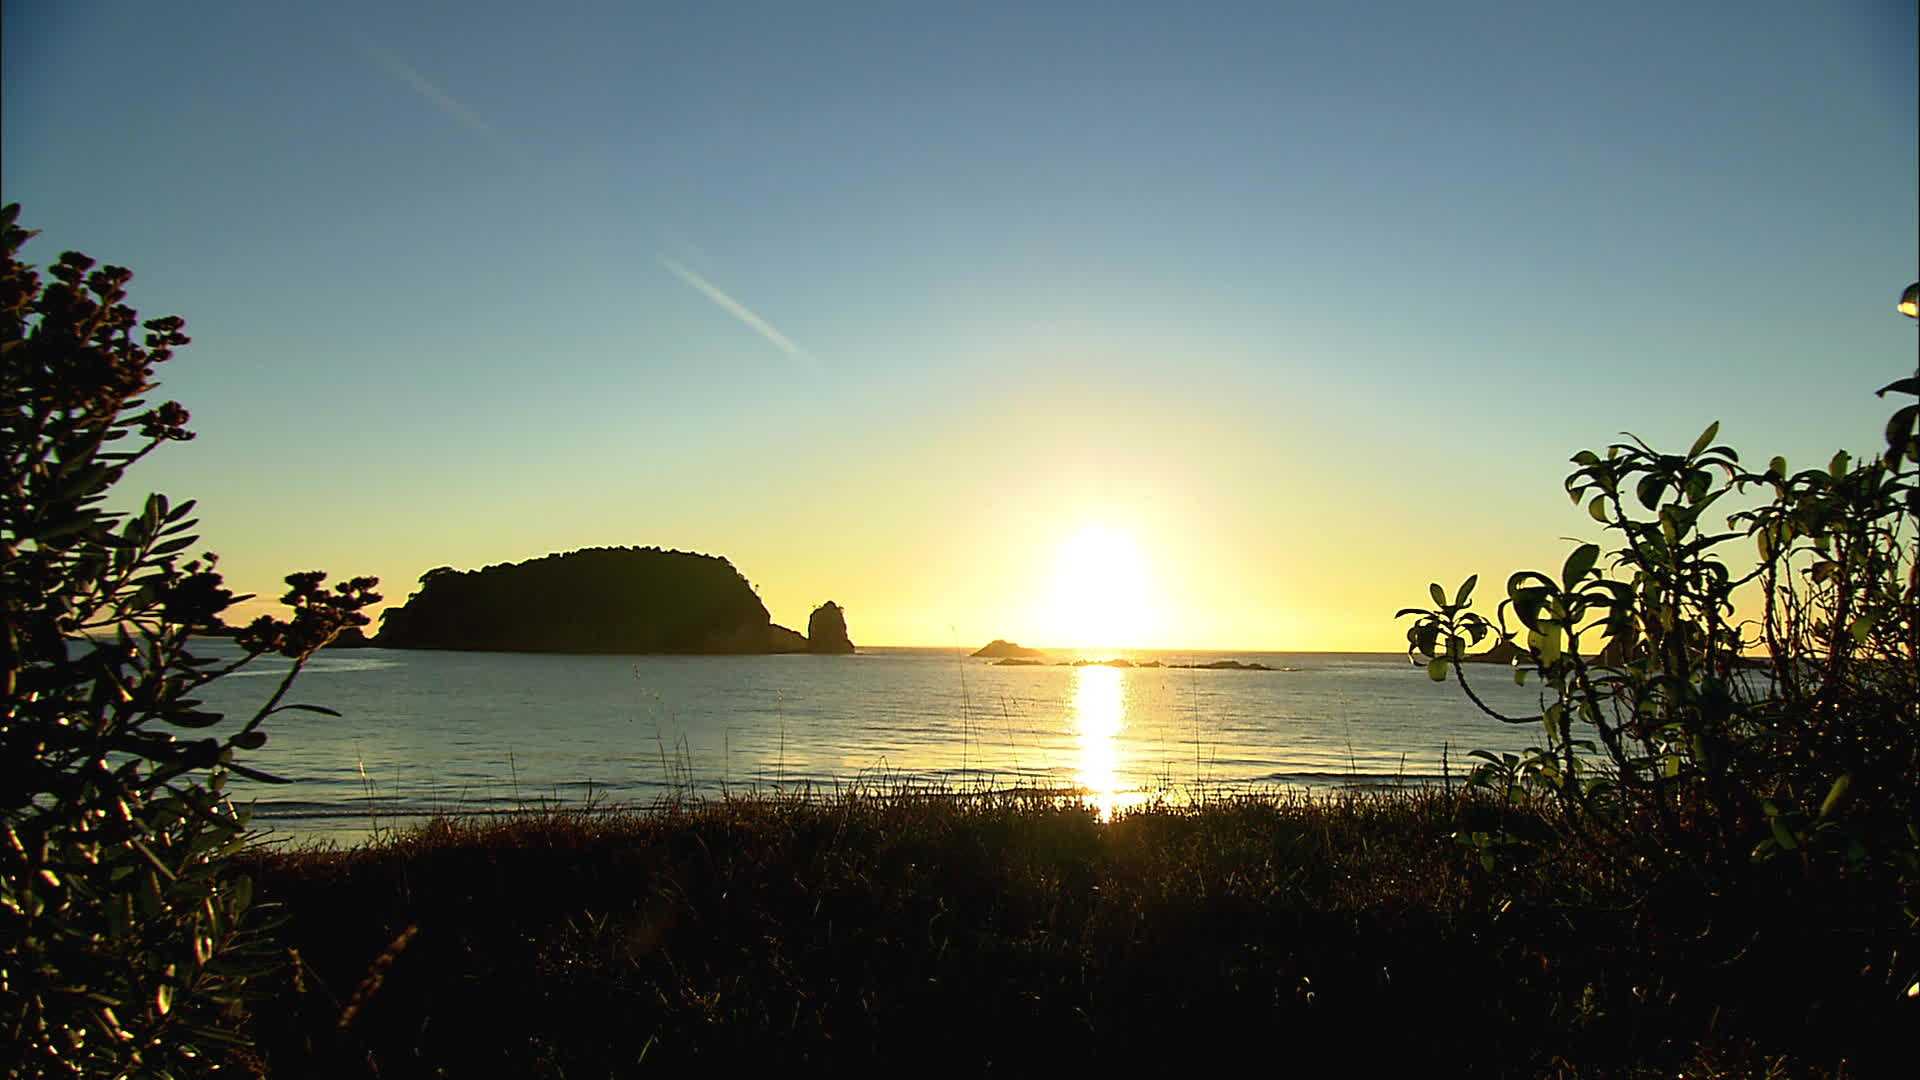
{"x":885,"y":302}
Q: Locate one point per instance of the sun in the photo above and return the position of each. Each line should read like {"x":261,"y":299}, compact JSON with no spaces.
{"x":1100,"y":595}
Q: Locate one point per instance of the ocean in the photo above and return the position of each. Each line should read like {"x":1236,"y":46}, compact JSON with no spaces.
{"x":423,"y":733}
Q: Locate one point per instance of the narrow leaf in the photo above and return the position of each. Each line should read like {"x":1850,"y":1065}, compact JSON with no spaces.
{"x":1836,"y":795}
{"x":1705,"y":440}
{"x":1465,"y":590}
{"x":324,"y":711}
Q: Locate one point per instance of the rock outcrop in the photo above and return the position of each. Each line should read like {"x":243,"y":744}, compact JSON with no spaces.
{"x":827,"y":630}
{"x":998,"y":649}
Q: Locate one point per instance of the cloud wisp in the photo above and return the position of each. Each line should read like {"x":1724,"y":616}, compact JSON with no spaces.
{"x":738,"y":310}
{"x":390,"y":62}
{"x":454,"y":108}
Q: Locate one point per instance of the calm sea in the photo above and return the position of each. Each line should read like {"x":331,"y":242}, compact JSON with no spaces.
{"x":450,"y":732}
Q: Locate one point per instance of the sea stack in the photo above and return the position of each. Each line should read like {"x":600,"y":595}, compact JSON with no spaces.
{"x":827,"y":630}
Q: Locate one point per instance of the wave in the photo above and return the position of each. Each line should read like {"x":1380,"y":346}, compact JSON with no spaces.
{"x":317,"y":666}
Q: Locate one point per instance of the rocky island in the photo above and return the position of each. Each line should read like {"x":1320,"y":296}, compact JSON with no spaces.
{"x":602,"y":600}
{"x":998,"y":649}
{"x":1502,"y":652}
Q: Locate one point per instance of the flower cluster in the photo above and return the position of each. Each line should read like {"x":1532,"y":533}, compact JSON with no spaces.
{"x":318,"y":615}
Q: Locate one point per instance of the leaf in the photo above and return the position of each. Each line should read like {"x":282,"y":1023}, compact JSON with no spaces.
{"x":1900,"y":427}
{"x":58,"y":529}
{"x":1705,"y":440}
{"x":324,"y":711}
{"x":1782,"y":835}
{"x":1466,"y":590}
{"x":1439,"y":594}
{"x":1838,"y":466}
{"x":1597,"y":509}
{"x":1778,"y":467}
{"x":1437,"y":670}
{"x":1579,"y":565}
{"x":1908,"y":385}
{"x":1550,"y":642}
{"x":1527,"y":604}
{"x":256,"y":774}
{"x":225,"y":1038}
{"x":1836,"y":796}
{"x":1648,"y":491}
{"x":250,"y":740}
{"x":1425,"y":637}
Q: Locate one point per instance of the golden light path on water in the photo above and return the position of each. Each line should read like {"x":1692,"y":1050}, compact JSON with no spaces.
{"x":1099,"y":715}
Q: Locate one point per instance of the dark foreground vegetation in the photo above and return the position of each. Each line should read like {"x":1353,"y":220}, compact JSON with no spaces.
{"x":1013,"y":934}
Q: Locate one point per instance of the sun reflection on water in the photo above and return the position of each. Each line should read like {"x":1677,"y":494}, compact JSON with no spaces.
{"x":1099,"y":714}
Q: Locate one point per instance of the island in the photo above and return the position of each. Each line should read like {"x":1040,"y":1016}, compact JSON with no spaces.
{"x":999,"y":649}
{"x":617,"y":600}
{"x":1503,"y":652}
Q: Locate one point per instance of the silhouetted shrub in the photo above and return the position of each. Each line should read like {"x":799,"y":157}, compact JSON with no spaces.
{"x":128,"y":942}
{"x":1752,"y":781}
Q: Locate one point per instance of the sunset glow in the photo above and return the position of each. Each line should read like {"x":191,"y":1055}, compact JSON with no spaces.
{"x":1102,"y":592}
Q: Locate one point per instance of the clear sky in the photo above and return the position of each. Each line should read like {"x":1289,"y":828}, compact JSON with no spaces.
{"x":1245,"y":322}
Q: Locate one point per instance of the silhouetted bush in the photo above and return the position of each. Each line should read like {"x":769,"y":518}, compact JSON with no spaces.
{"x":1752,"y":783}
{"x":129,"y":943}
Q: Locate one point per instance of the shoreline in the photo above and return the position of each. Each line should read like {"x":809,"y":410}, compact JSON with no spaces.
{"x":390,"y":819}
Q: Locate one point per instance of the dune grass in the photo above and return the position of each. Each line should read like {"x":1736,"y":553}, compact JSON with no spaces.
{"x":1011,"y":933}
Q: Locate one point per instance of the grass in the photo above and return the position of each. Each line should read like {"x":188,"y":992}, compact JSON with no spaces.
{"x":997,"y":932}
